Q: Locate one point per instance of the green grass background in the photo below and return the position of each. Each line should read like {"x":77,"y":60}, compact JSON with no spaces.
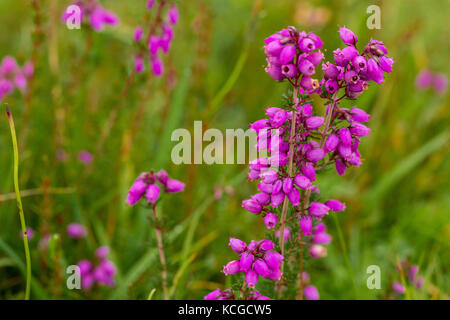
{"x":398,"y":201}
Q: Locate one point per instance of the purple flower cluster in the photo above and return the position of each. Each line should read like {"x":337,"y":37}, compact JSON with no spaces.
{"x":299,"y":144}
{"x":353,"y":69}
{"x":94,"y":13}
{"x":343,"y":142}
{"x":427,"y":78}
{"x":291,"y":53}
{"x":159,"y":39}
{"x":103,"y":273}
{"x":148,"y":185}
{"x":274,"y":134}
{"x":13,"y":76}
{"x":256,"y":259}
{"x":412,"y":276}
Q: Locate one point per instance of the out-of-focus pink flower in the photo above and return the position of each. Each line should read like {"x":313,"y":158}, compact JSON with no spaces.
{"x":311,"y":293}
{"x":85,"y":157}
{"x":398,"y":287}
{"x":440,"y":82}
{"x":30,"y":233}
{"x":76,"y":230}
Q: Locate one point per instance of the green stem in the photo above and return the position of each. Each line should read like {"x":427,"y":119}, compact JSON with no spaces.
{"x":19,"y":202}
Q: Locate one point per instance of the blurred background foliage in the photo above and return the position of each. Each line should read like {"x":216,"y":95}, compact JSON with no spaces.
{"x":398,"y":201}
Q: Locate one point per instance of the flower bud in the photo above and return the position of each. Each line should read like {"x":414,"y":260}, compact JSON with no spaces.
{"x":345,"y":136}
{"x":335,"y":205}
{"x":237,"y":245}
{"x":294,"y":196}
{"x":262,"y":198}
{"x":314,"y":123}
{"x":340,"y":166}
{"x":359,"y":130}
{"x":330,"y":71}
{"x":261,"y":268}
{"x":287,"y":54}
{"x":315,"y":154}
{"x":251,"y":277}
{"x":287,"y":185}
{"x":308,"y":170}
{"x":275,"y":72}
{"x":347,"y":36}
{"x":277,"y":199}
{"x":270,"y":220}
{"x":331,"y":143}
{"x":374,"y":72}
{"x":306,"y":67}
{"x":252,"y":205}
{"x":359,"y":115}
{"x":232,"y":267}
{"x":306,"y":224}
{"x":273,"y":259}
{"x":315,"y":57}
{"x":269,"y":176}
{"x":302,"y":181}
{"x":318,"y":210}
{"x":266,"y":245}
{"x":246,"y":261}
{"x":174,"y":186}
{"x":306,"y":44}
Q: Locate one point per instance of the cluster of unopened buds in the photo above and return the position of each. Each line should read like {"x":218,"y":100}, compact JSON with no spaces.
{"x":13,"y":76}
{"x":103,"y":273}
{"x":93,"y":13}
{"x":148,"y":185}
{"x":298,"y":144}
{"x":159,"y":38}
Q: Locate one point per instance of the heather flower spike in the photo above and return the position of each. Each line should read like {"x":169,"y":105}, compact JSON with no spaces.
{"x":12,"y":76}
{"x":94,"y":14}
{"x":149,"y":186}
{"x":159,"y":38}
{"x":300,"y":143}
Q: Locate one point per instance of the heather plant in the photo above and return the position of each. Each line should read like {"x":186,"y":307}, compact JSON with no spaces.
{"x":407,"y":280}
{"x":148,"y":186}
{"x":301,"y":144}
{"x":13,"y":76}
{"x":157,"y":39}
{"x":93,"y":105}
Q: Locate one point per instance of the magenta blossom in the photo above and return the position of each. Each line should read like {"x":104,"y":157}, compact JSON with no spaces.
{"x":85,"y":157}
{"x":102,"y":274}
{"x":148,"y":185}
{"x":93,"y":13}
{"x":76,"y":230}
{"x":256,"y":259}
{"x":13,"y":76}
